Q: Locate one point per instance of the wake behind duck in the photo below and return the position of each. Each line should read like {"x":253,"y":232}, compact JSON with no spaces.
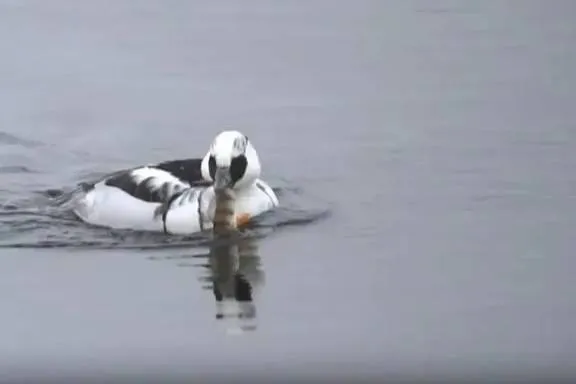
{"x":178,"y":197}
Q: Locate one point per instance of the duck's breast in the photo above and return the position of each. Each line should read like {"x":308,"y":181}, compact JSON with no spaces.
{"x":253,"y":202}
{"x":257,"y":200}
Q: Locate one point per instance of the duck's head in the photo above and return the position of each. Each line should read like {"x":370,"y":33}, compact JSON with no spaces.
{"x":231,"y":162}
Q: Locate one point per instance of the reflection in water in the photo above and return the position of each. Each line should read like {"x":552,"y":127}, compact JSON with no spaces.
{"x":235,"y":272}
{"x":234,"y":275}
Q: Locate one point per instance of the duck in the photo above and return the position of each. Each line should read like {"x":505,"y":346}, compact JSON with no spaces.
{"x":178,"y":196}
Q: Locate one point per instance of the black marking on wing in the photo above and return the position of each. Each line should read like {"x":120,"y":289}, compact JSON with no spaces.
{"x":199,"y":211}
{"x":187,"y":170}
{"x":86,"y":187}
{"x":177,"y":199}
{"x":263,"y":189}
{"x":163,"y":210}
{"x":143,"y":190}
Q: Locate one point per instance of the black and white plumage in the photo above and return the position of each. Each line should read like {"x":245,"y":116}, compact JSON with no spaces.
{"x":145,"y":183}
{"x":178,"y":196}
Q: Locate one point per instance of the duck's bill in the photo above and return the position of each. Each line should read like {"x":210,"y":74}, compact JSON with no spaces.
{"x":222,"y":178}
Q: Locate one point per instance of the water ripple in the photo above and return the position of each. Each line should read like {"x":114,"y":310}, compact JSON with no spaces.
{"x":11,"y":139}
{"x":44,"y":220}
{"x":16,"y":169}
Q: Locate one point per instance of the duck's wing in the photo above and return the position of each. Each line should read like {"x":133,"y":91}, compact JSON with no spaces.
{"x":186,"y":170}
{"x":147,"y":183}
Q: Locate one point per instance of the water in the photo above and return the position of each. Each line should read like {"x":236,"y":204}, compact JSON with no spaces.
{"x":424,"y":157}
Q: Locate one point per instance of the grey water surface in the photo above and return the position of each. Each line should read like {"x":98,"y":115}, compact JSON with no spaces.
{"x":424,"y":153}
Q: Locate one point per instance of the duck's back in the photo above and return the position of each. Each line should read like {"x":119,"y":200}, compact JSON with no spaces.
{"x":186,"y":170}
{"x":131,"y":198}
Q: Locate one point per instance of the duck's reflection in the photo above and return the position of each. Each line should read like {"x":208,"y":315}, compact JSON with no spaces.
{"x":232,"y":271}
{"x":236,"y":273}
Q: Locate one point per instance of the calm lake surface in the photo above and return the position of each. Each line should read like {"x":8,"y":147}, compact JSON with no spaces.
{"x":424,"y":153}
